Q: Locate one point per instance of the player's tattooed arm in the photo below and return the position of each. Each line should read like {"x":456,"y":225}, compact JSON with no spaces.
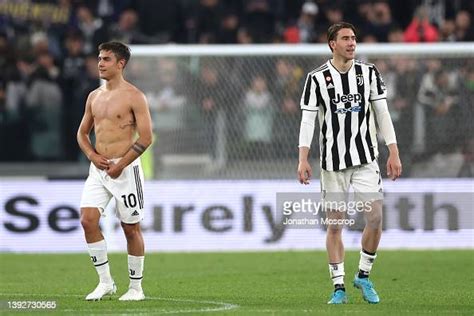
{"x":138,"y":148}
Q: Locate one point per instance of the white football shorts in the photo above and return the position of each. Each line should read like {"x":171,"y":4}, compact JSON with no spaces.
{"x":365,"y":179}
{"x":127,"y":190}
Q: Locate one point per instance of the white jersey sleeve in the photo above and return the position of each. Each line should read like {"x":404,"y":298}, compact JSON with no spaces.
{"x":384,"y":121}
{"x":307,"y":128}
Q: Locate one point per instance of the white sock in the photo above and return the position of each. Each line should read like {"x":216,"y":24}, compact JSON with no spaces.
{"x":98,"y":253}
{"x":135,"y":271}
{"x":366,"y":262}
{"x":336,"y":271}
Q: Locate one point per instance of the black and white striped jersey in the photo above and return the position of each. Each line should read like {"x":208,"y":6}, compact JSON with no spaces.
{"x":346,"y":118}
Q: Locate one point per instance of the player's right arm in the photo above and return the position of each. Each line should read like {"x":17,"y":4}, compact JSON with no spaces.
{"x":304,"y":168}
{"x":306,"y":136}
{"x":309,"y":106}
{"x":83,"y":139}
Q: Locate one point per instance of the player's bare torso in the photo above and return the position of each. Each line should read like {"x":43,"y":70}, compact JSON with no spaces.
{"x":114,"y":121}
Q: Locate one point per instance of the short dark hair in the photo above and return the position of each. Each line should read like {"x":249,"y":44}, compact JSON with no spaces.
{"x":120,"y":50}
{"x":335,"y":28}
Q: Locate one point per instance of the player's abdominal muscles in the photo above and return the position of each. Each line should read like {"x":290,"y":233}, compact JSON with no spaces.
{"x":114,"y":143}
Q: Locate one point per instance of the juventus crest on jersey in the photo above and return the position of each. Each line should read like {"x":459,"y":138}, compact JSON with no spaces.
{"x":346,"y":118}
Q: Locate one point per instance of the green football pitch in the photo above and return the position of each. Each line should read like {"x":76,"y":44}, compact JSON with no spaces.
{"x":256,"y":283}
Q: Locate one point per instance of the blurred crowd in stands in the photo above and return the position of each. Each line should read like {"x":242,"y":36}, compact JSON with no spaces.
{"x":48,"y":65}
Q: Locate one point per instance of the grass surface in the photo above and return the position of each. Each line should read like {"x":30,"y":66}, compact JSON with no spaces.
{"x":267,"y":283}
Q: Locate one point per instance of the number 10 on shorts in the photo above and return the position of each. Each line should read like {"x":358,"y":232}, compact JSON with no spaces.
{"x":130,"y":200}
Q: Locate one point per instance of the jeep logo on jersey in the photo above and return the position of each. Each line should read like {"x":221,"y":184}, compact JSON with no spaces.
{"x":347,"y":98}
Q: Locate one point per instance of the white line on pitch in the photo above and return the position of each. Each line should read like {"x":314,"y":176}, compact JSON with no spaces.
{"x":221,"y":306}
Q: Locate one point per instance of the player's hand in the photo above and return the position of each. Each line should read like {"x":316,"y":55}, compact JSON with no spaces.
{"x":114,"y":170}
{"x":394,"y":166}
{"x":304,"y":172}
{"x":99,"y":161}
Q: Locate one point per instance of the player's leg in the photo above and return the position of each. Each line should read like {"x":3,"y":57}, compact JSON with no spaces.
{"x":98,"y":252}
{"x":335,"y":250}
{"x":368,"y":184}
{"x":136,"y":259}
{"x":334,"y":244}
{"x":134,"y":236}
{"x":370,"y":241}
{"x":90,"y":217}
{"x":373,"y":228}
{"x":94,"y":199}
{"x":334,"y":185}
{"x":128,"y":192}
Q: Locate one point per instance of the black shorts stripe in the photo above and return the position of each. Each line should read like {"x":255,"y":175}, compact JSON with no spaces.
{"x":138,"y":184}
{"x":101,"y":264}
{"x":140,"y":188}
{"x":358,"y":138}
{"x":347,"y":121}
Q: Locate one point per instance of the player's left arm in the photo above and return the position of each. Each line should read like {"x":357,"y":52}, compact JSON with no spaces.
{"x":378,"y":99}
{"x":142,"y":115}
{"x":384,"y":121}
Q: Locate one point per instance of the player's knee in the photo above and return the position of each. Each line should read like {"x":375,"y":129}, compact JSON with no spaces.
{"x":132,"y":231}
{"x":88,"y":223}
{"x":375,"y":221}
{"x":334,"y":229}
{"x":90,"y":219}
